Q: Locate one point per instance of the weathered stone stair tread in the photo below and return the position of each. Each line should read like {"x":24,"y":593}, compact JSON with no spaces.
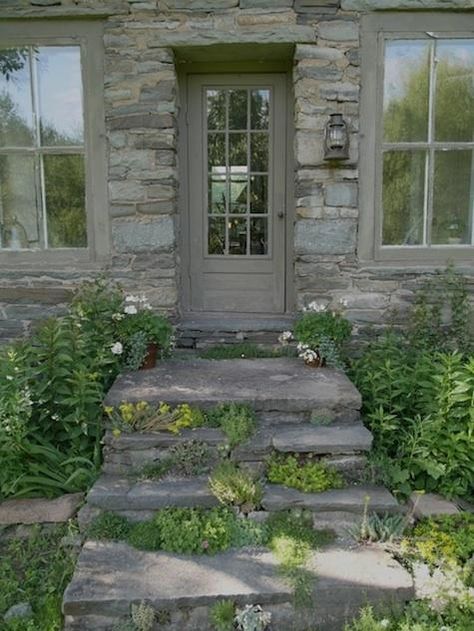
{"x":322,"y":439}
{"x":282,"y":384}
{"x":164,"y":439}
{"x":119,"y":494}
{"x":350,"y":499}
{"x":110,"y":576}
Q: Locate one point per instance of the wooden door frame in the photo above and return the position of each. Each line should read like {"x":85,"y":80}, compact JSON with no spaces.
{"x":279,"y":67}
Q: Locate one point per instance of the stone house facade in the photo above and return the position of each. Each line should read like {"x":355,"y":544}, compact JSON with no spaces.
{"x":269,"y":224}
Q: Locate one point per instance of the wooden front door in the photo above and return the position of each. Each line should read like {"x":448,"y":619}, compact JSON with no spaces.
{"x":237,"y":192}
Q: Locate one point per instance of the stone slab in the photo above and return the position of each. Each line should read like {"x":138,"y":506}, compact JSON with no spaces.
{"x":323,"y":440}
{"x":110,"y":576}
{"x":139,"y":441}
{"x":351,"y":499}
{"x":119,"y":494}
{"x":430,"y":505}
{"x":39,"y":510}
{"x":282,"y":384}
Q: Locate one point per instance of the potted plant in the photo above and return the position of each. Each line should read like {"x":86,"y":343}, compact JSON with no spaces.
{"x":320,"y":334}
{"x":143,"y":333}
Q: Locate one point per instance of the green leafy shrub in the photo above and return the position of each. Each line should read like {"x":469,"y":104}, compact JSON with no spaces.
{"x":51,"y":388}
{"x":234,"y":487}
{"x":222,"y":615}
{"x":236,"y":421}
{"x":309,"y":476}
{"x":137,"y":317}
{"x":313,"y":326}
{"x":418,"y":394}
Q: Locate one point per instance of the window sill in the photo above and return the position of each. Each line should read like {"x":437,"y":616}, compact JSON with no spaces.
{"x":413,"y":256}
{"x":50,"y":259}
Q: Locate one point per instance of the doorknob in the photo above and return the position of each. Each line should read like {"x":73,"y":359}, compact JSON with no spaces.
{"x":280,"y":215}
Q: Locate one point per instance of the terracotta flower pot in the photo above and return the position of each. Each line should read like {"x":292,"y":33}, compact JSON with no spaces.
{"x":150,"y":358}
{"x":317,"y":362}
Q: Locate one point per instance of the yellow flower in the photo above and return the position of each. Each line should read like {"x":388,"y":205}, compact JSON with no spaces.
{"x":116,"y":433}
{"x":108,"y":409}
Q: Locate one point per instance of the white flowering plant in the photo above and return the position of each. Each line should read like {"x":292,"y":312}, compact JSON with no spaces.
{"x":137,"y":317}
{"x":320,"y":334}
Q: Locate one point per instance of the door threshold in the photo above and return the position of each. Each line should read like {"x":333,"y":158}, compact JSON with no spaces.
{"x":234,"y":322}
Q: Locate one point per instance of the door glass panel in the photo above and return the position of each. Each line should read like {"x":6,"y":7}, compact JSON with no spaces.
{"x":259,"y":152}
{"x":217,"y":195}
{"x":238,"y":106}
{"x":259,"y":235}
{"x":216,"y":238}
{"x":238,"y":194}
{"x":403,"y":197}
{"x":238,"y":165}
{"x":237,"y":150}
{"x":258,"y":193}
{"x":259,"y":109}
{"x":216,"y":109}
{"x":237,"y":235}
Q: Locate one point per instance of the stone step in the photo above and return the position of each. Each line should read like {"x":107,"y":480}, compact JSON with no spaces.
{"x":110,"y":493}
{"x":268,"y":385}
{"x":127,"y":453}
{"x":351,"y":499}
{"x":110,"y":576}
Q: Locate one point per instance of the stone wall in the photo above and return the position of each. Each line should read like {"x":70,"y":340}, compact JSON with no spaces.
{"x":141,"y":105}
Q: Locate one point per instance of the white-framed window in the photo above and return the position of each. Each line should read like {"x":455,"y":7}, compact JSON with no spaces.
{"x":52,"y":159}
{"x":417,"y":146}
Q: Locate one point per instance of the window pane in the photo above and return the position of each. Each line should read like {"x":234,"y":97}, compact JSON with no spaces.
{"x":238,"y":106}
{"x":454,"y":105}
{"x":216,"y":153}
{"x":60,"y":95}
{"x":259,"y":194}
{"x":403,"y":197}
{"x":259,"y":152}
{"x":16,"y":110}
{"x":237,"y":150}
{"x":259,"y":235}
{"x":406,"y":90}
{"x":65,"y":201}
{"x":216,"y":236}
{"x":216,"y":109}
{"x":453,"y":197}
{"x":217,"y":194}
{"x":238,"y":194}
{"x":259,"y":109}
{"x":237,"y":236}
{"x":19,"y":217}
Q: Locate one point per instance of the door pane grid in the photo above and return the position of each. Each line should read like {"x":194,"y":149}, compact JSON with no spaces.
{"x":238,"y":162}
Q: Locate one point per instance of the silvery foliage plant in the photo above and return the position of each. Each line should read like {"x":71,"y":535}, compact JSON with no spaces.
{"x":252,"y":618}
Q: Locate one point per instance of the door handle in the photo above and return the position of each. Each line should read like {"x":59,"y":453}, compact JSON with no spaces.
{"x":280,"y":215}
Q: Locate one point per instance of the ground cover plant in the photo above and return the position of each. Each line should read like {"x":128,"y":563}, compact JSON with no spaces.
{"x":310,"y":476}
{"x":418,"y":394}
{"x":36,"y":570}
{"x":235,"y":487}
{"x":246,"y":350}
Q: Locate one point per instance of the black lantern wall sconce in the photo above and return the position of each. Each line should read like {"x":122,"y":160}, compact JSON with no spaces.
{"x":336,"y":140}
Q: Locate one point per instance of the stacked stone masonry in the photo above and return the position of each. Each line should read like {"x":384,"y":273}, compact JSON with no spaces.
{"x":141,"y":100}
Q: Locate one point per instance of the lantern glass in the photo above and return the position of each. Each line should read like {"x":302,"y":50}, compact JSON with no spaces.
{"x":337,"y":139}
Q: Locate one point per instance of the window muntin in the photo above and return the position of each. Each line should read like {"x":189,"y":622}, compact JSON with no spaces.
{"x":428,"y":143}
{"x":42,"y":171}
